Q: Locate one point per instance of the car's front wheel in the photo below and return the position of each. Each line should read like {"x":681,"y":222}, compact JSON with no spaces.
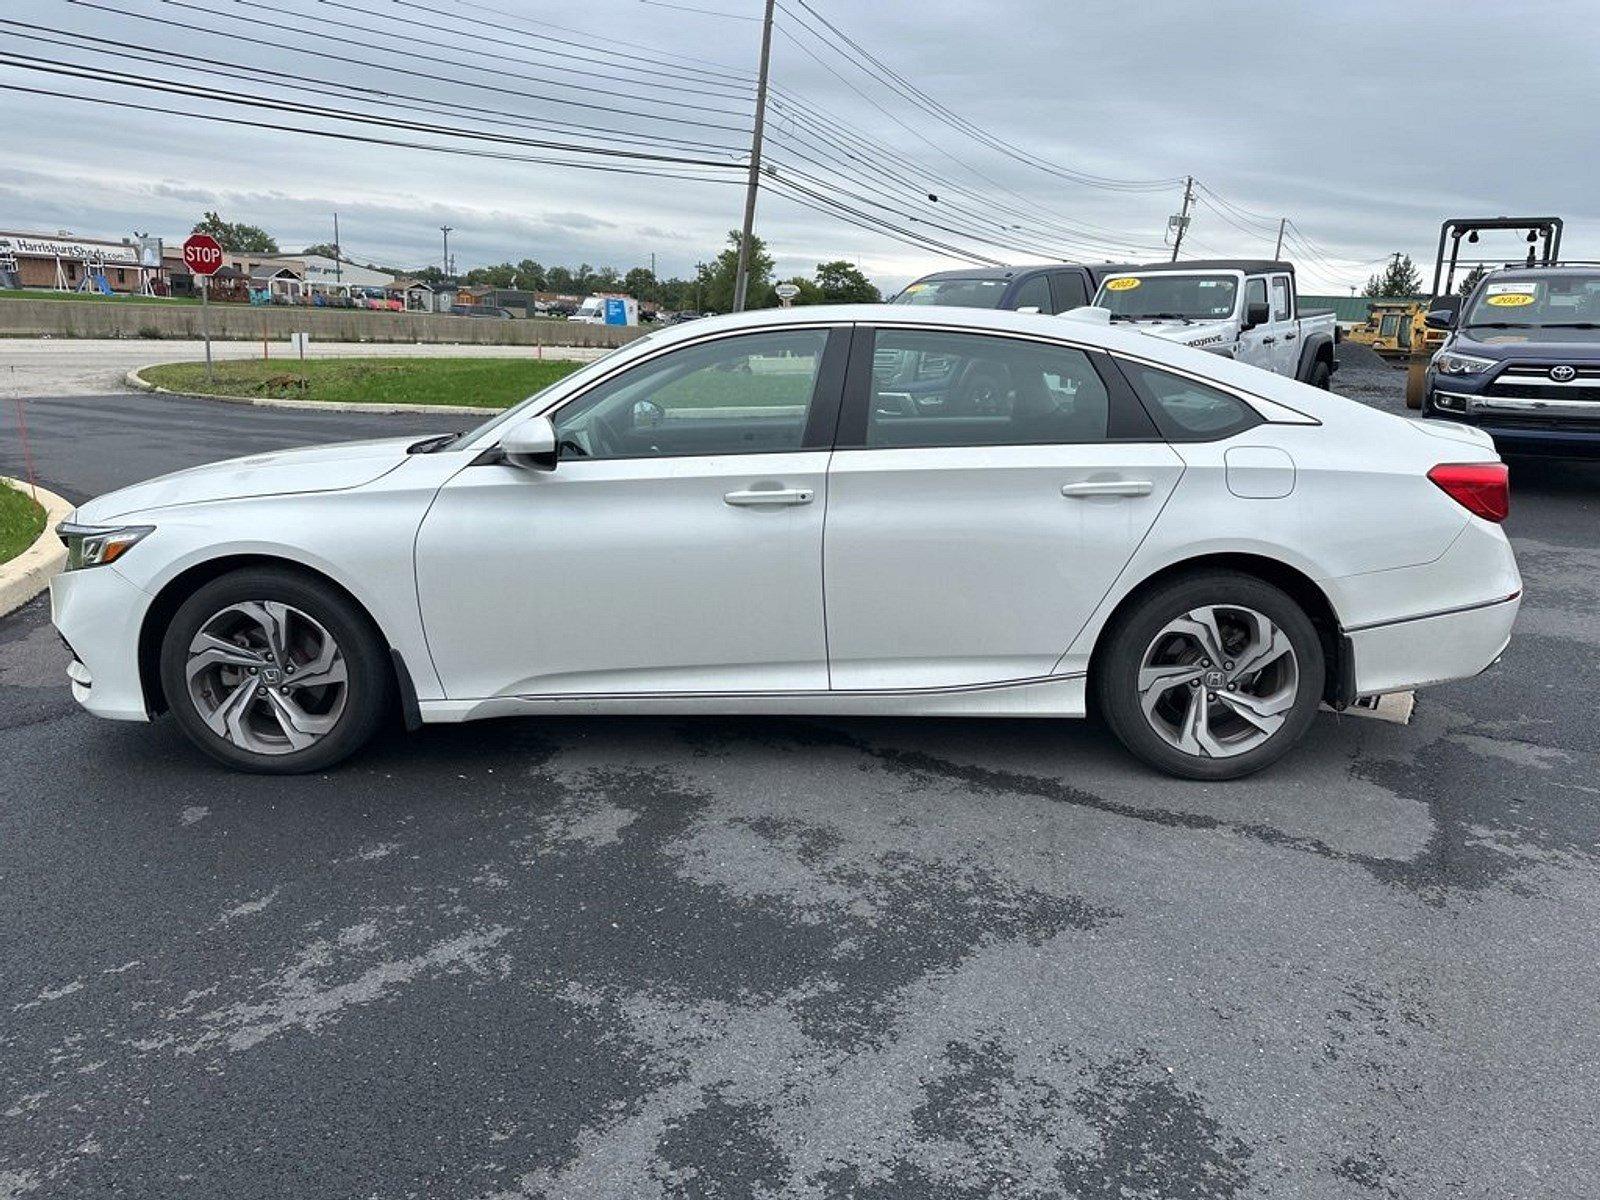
{"x":1213,"y":675}
{"x":273,"y":671}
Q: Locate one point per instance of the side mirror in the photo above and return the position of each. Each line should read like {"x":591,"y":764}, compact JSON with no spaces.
{"x":1440,"y":318}
{"x":531,"y":445}
{"x":1256,"y":312}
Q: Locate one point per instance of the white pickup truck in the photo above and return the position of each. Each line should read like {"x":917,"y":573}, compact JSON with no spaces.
{"x":1244,"y":309}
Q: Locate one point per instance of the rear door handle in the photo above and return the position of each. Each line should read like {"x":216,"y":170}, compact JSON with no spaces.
{"x":1289,"y":337}
{"x":1109,"y":487}
{"x":777,"y":496}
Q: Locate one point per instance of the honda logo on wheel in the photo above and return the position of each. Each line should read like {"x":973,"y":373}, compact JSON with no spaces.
{"x":1563,"y":374}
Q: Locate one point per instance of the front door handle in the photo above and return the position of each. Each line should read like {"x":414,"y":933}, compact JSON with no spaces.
{"x":1268,"y":341}
{"x":776,"y":496}
{"x":1109,"y":487}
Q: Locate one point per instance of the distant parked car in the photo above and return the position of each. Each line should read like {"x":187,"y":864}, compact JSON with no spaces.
{"x":1051,"y":288}
{"x":481,"y":310}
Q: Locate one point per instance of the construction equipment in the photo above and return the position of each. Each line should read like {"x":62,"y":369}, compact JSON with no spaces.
{"x":1543,"y":235}
{"x":1394,"y":328}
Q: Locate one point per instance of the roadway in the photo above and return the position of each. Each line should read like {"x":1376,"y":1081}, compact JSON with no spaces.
{"x":808,"y":958}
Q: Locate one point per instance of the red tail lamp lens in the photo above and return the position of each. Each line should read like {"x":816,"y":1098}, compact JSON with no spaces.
{"x":1480,"y":488}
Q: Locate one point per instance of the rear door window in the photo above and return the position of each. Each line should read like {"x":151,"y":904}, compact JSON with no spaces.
{"x":1070,"y":291}
{"x":938,"y":388}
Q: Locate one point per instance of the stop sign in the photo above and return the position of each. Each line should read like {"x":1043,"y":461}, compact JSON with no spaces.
{"x":202,"y":254}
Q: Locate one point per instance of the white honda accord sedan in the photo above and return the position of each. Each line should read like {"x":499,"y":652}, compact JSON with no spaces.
{"x":853,"y":510}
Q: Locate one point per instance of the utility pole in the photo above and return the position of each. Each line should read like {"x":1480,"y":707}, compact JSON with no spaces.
{"x":1277,"y":251}
{"x":338,"y":252}
{"x":445,"y":229}
{"x":1181,"y":221}
{"x":741,"y":281}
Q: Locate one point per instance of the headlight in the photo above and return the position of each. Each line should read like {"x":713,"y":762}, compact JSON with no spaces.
{"x":97,"y":545}
{"x":1461,"y":364}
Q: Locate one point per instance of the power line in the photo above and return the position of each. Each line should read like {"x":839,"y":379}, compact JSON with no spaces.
{"x":875,"y":67}
{"x":652,"y":57}
{"x":338,"y":135}
{"x":239,"y":37}
{"x":196,"y":92}
{"x":433,"y":54}
{"x":965,"y":165}
{"x":654,"y":78}
{"x":404,"y":101}
{"x":833,"y":139}
{"x":704,"y":12}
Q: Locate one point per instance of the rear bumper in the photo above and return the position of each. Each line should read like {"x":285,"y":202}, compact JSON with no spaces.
{"x":99,"y":613}
{"x":1400,"y":655}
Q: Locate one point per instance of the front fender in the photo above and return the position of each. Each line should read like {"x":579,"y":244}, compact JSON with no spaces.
{"x":362,"y":540}
{"x":1314,"y":345}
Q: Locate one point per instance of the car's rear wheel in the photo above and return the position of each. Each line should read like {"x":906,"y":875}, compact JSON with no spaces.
{"x":276,"y":672}
{"x":1321,"y":376}
{"x":1211,"y":676}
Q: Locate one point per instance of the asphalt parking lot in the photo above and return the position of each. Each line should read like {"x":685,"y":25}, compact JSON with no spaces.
{"x":802,"y":958}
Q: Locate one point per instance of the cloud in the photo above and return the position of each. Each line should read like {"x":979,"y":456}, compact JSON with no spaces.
{"x":1330,"y":116}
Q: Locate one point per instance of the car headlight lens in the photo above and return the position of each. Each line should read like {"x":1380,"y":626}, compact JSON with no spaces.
{"x":1461,"y":364}
{"x":97,"y":545}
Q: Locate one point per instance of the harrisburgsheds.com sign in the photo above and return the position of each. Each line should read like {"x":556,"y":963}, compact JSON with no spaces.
{"x":32,"y":247}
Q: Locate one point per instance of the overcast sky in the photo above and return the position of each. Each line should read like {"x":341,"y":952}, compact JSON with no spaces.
{"x":1365,"y":123}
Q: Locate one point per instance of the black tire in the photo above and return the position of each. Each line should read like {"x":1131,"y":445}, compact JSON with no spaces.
{"x":1321,"y":375}
{"x":1118,"y":662}
{"x":369,"y":684}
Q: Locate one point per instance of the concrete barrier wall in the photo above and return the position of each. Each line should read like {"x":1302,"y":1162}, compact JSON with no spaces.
{"x":241,"y":322}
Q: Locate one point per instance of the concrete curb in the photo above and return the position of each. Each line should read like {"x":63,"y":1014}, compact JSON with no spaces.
{"x":28,"y":574}
{"x":139,"y":383}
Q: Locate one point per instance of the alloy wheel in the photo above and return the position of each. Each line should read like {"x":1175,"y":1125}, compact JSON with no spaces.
{"x":267,"y":677}
{"x":1218,"y":681}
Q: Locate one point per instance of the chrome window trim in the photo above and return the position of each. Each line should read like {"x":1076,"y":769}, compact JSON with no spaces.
{"x":1272,"y":411}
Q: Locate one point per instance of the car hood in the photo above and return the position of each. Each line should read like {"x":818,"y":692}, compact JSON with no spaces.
{"x":1563,"y":345}
{"x":1206,"y":335}
{"x":309,"y":469}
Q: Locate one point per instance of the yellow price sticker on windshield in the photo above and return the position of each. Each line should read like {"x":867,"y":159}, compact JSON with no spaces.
{"x":1510,"y":300}
{"x":1126,"y":284}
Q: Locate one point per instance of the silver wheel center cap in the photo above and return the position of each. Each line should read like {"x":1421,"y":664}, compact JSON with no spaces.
{"x":271,"y":675}
{"x":1215,"y":679}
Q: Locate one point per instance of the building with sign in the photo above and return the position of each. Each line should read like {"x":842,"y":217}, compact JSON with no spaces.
{"x":68,"y":263}
{"x":327,"y":276}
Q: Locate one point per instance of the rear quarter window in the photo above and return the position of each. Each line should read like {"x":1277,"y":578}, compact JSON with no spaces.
{"x":1185,"y":410}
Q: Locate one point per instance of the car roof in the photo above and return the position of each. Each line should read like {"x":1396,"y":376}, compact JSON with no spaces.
{"x":1250,"y":266}
{"x":1028,"y":269}
{"x":1540,"y":272}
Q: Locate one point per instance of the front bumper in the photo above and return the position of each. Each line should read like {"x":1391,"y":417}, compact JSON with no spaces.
{"x":1401,"y":655}
{"x":99,"y":614}
{"x":1557,"y":428}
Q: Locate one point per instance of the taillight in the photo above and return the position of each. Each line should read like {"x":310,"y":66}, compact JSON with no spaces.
{"x":1481,"y":488}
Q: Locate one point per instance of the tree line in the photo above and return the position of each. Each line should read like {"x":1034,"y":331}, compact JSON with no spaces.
{"x":709,"y":289}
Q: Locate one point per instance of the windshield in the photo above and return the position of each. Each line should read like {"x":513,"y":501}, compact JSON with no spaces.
{"x":955,"y":293}
{"x":1195,"y":297}
{"x":1568,"y":303}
